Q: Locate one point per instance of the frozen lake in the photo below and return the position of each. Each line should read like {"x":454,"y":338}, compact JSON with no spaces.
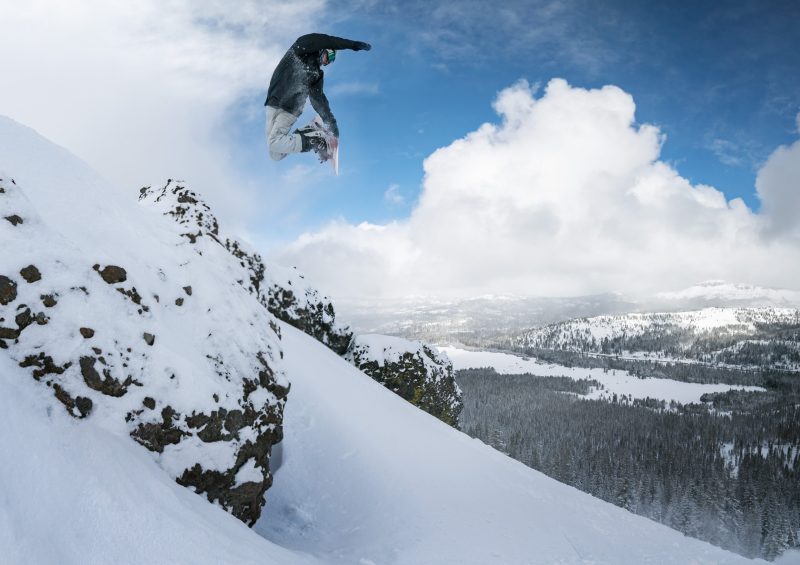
{"x":614,"y":381}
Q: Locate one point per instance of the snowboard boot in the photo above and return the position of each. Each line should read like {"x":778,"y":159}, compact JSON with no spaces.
{"x":312,"y":138}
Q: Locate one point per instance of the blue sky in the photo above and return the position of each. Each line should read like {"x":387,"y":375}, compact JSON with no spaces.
{"x":720,"y":79}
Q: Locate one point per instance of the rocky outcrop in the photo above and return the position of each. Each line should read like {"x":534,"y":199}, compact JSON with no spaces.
{"x":200,"y":385}
{"x":284,"y":292}
{"x":414,"y":370}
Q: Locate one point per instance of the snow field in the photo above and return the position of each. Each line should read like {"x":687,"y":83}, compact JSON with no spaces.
{"x":615,"y":381}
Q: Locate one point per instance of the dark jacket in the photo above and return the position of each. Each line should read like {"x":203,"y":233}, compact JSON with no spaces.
{"x":299,"y":76}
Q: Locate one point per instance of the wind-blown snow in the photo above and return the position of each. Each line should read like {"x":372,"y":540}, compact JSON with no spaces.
{"x":615,"y":381}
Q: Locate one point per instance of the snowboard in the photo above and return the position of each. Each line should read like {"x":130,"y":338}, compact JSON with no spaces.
{"x":331,"y":144}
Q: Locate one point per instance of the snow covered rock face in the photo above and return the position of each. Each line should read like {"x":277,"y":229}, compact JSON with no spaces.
{"x":138,"y":324}
{"x":284,"y":292}
{"x":287,"y":295}
{"x":414,"y":370}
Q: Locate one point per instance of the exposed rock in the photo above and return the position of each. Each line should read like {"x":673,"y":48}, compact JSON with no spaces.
{"x":155,"y":436}
{"x":106,"y":384}
{"x":9,"y":333}
{"x":285,"y":293}
{"x":185,"y":208}
{"x":112,"y":274}
{"x":80,"y":406}
{"x":179,"y":302}
{"x":243,"y":421}
{"x":84,"y":405}
{"x":414,"y":370}
{"x":15,"y":220}
{"x":44,"y":365}
{"x":24,"y":317}
{"x":31,"y":274}
{"x":134,"y":297}
{"x":8,"y":290}
{"x":245,"y":501}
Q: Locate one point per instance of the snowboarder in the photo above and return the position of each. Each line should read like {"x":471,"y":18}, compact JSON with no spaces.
{"x":297,"y":77}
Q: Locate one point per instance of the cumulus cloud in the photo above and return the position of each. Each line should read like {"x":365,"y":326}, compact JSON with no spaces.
{"x":140,"y":90}
{"x":778,"y":186}
{"x":566,"y":195}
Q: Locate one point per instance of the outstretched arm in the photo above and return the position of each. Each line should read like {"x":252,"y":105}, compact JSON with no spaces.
{"x":314,"y":42}
{"x":320,"y":104}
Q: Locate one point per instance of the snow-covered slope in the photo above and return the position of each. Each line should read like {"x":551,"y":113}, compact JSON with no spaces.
{"x":73,"y":493}
{"x":378,"y":481}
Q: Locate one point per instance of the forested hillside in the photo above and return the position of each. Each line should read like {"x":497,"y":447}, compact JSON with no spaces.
{"x":726,"y":471}
{"x":744,"y":337}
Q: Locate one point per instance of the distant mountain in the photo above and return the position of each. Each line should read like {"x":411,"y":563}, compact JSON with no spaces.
{"x":441,"y":320}
{"x":763,"y":337}
{"x":477,"y":319}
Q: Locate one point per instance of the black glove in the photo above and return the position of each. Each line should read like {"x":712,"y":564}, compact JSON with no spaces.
{"x":362,"y":46}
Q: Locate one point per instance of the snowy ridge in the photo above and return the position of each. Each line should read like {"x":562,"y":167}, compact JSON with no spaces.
{"x":763,"y":337}
{"x":417,"y":371}
{"x":384,"y":349}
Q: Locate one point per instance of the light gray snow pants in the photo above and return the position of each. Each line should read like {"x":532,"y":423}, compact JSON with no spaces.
{"x":280,"y":141}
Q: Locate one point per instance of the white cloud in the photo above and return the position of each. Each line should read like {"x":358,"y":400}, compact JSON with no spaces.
{"x":393,"y":195}
{"x":140,"y":90}
{"x":565,"y":196}
{"x":778,"y":186}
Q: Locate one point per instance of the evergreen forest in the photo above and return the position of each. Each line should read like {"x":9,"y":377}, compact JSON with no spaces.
{"x":726,"y":470}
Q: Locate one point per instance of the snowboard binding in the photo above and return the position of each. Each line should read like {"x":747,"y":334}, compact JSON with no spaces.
{"x":316,"y":137}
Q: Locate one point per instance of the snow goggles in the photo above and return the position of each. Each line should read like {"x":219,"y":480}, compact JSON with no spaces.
{"x":331,"y":53}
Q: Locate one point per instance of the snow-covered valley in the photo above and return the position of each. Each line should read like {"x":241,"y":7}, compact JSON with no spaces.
{"x":615,"y":381}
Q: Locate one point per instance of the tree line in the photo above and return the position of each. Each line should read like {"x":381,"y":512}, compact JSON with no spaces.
{"x":726,"y":470}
